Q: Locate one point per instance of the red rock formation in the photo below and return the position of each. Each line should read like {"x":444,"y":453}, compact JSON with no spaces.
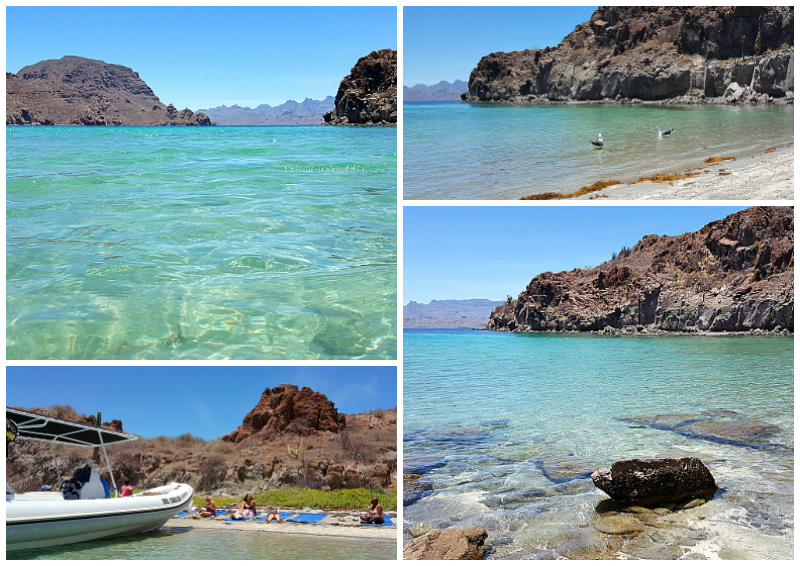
{"x":288,"y":409}
{"x":735,"y":274}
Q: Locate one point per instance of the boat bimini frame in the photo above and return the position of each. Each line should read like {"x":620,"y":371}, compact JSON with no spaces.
{"x":33,"y":426}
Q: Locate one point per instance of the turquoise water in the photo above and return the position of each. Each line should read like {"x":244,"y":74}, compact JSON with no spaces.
{"x":191,"y":544}
{"x":201,"y":243}
{"x":492,"y":421}
{"x":481,"y":151}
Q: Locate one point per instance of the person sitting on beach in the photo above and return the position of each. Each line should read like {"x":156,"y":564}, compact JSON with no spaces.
{"x":273,"y":513}
{"x":374,"y":513}
{"x":126,"y":489}
{"x":209,"y":511}
{"x":247,"y":510}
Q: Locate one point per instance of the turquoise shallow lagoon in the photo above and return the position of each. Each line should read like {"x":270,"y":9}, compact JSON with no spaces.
{"x":504,"y":428}
{"x":203,"y":544}
{"x":201,"y":243}
{"x":490,"y":151}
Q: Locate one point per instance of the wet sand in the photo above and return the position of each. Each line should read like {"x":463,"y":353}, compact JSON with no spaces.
{"x":336,"y":524}
{"x":753,"y":176}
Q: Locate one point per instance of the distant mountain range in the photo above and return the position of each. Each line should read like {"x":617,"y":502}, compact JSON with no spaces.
{"x":441,"y":91}
{"x":469,"y":313}
{"x":290,"y":113}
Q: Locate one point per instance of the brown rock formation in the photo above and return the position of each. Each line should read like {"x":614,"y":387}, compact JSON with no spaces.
{"x":735,"y":274}
{"x":288,"y":409}
{"x":79,"y":91}
{"x":368,"y":95}
{"x":658,"y":480}
{"x":685,"y":53}
{"x":447,"y":544}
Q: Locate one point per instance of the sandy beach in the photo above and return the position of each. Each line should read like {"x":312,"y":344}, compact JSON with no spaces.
{"x":337,"y":524}
{"x":752,"y":176}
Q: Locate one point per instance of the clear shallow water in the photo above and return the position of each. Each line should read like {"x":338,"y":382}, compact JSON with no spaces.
{"x":191,"y":544}
{"x":479,"y":151}
{"x":502,"y":425}
{"x":201,"y":243}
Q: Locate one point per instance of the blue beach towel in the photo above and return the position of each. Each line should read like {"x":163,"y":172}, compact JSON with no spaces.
{"x":181,"y":514}
{"x":387,"y":522}
{"x":284,"y":515}
{"x":308,"y":518}
{"x":222,"y":511}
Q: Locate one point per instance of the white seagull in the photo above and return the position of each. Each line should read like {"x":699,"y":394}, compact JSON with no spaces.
{"x":665,"y":132}
{"x":599,"y":141}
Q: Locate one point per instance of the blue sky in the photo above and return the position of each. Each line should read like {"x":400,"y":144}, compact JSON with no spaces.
{"x":205,"y":401}
{"x":446,"y":43}
{"x":201,"y":57}
{"x":490,"y":252}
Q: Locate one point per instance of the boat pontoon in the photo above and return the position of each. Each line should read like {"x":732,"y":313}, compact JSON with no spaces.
{"x":83,"y":510}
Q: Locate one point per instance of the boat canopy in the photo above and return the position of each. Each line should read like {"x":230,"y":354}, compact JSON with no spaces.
{"x":61,"y":431}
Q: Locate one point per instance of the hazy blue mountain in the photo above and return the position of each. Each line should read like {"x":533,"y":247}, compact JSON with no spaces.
{"x":442,"y":90}
{"x":290,"y":113}
{"x":451,"y":313}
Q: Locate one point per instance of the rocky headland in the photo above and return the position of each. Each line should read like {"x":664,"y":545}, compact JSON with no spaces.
{"x":292,"y":438}
{"x":368,"y":95}
{"x":440,"y":92}
{"x":634,"y":54}
{"x":88,"y":92}
{"x":733,"y":275}
{"x":309,"y":112}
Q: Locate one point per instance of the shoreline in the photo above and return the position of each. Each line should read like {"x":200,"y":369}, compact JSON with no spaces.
{"x":764,"y":174}
{"x":335,"y":526}
{"x":655,"y":333}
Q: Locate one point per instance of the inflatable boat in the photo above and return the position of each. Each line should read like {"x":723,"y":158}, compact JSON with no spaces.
{"x":83,"y":509}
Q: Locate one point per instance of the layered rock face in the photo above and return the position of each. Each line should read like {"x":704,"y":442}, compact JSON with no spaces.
{"x":735,"y":274}
{"x":79,"y":91}
{"x":631,"y":53}
{"x":288,"y":409}
{"x":368,"y":95}
{"x":647,"y":482}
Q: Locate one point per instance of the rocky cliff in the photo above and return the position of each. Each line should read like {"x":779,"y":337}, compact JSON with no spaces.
{"x":735,"y":274}
{"x":79,"y":91}
{"x":682,"y":54}
{"x":368,"y":95}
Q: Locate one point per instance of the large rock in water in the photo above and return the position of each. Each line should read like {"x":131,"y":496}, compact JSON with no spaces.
{"x":447,"y":544}
{"x":88,"y":92}
{"x":368,"y":95}
{"x":646,"y":482}
{"x":288,"y":409}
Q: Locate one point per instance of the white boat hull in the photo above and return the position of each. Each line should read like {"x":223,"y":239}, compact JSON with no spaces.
{"x":35,"y":522}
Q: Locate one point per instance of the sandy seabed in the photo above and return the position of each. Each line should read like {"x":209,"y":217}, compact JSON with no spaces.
{"x":753,"y":176}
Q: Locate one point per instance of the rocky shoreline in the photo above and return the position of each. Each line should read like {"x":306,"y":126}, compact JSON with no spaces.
{"x":734,"y":275}
{"x":664,"y":56}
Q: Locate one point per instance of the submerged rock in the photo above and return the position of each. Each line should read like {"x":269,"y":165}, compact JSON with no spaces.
{"x":655,"y":480}
{"x":447,"y":544}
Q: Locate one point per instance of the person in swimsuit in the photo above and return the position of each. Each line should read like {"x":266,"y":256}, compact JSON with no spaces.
{"x":374,"y":513}
{"x":247,"y":510}
{"x":273,"y":513}
{"x":126,"y":490}
{"x":210,"y":510}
